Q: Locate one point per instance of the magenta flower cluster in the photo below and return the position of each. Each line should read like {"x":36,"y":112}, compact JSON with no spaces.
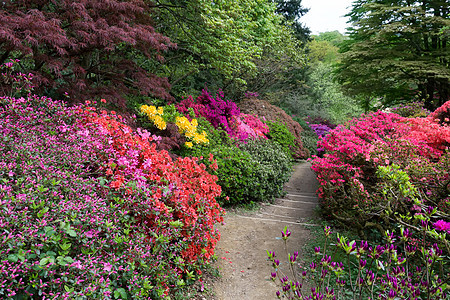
{"x":226,"y":115}
{"x":355,"y":151}
{"x":216,"y":110}
{"x":247,"y":127}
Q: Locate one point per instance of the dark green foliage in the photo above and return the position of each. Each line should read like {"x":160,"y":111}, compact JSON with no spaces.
{"x":397,"y":47}
{"x":292,"y":10}
{"x":309,"y":137}
{"x":255,"y":171}
{"x":274,"y":168}
{"x":236,"y":174}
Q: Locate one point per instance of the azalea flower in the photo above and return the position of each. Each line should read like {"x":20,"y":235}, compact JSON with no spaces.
{"x":441,"y":225}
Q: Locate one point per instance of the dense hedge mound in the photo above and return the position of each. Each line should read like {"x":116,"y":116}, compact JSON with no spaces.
{"x":273,"y":113}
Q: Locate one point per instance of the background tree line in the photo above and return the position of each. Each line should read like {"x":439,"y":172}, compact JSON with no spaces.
{"x":396,"y":51}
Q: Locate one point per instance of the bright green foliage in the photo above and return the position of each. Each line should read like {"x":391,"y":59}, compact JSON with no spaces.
{"x":329,"y":97}
{"x":279,"y":133}
{"x":219,"y":39}
{"x":333,"y":37}
{"x":322,"y":51}
{"x":396,"y":47}
{"x":325,"y":47}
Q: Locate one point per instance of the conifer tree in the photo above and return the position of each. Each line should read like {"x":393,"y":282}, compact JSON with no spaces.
{"x":398,"y":48}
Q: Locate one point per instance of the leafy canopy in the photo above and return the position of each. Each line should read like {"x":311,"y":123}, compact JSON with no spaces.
{"x":398,"y":47}
{"x":220,"y":41}
{"x":79,"y":46}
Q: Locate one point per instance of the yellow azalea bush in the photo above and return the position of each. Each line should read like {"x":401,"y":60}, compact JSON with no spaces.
{"x":189,"y":129}
{"x":155,"y":115}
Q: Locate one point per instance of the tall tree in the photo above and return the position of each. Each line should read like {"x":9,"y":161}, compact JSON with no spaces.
{"x":220,"y":41}
{"x":292,"y":11}
{"x":80,"y":46}
{"x":398,"y":47}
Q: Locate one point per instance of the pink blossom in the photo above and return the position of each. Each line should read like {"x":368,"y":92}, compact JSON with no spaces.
{"x":107,"y":267}
{"x":441,"y":225}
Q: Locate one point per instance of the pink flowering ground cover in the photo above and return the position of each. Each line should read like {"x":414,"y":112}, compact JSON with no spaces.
{"x":91,"y":211}
{"x":350,"y":189}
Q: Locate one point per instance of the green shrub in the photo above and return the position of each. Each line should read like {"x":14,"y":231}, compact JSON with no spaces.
{"x":274,"y":168}
{"x":236,"y":171}
{"x":310,"y":139}
{"x":279,"y":133}
{"x":255,"y":171}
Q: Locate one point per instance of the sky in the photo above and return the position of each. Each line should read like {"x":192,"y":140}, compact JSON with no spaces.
{"x":326,"y":15}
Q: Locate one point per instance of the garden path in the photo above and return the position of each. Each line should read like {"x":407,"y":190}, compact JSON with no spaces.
{"x":245,"y":237}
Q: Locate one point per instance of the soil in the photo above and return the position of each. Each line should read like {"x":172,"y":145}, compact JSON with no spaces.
{"x":247,"y":235}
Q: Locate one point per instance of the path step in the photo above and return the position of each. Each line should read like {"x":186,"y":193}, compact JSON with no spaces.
{"x":277,"y":221}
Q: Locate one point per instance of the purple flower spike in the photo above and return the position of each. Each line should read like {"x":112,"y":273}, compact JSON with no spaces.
{"x":392,"y":294}
{"x":273,"y":275}
{"x":363,"y":263}
{"x":285,"y":234}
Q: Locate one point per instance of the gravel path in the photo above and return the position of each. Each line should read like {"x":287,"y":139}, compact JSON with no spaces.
{"x":246,"y":236}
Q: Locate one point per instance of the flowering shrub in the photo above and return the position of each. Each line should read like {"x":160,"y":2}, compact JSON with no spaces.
{"x":91,"y":210}
{"x":184,"y":188}
{"x":216,"y":110}
{"x":320,"y":129}
{"x":247,"y":127}
{"x":155,"y":115}
{"x":349,"y":189}
{"x":411,"y":110}
{"x":14,"y":83}
{"x":185,"y":127}
{"x":411,"y":264}
{"x":271,"y":113}
{"x":394,"y":270}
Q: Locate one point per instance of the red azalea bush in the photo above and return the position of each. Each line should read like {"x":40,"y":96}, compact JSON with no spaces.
{"x":349,"y":189}
{"x":182,"y":187}
{"x":91,"y":210}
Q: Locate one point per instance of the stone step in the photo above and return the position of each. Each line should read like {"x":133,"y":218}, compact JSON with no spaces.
{"x":278,"y":220}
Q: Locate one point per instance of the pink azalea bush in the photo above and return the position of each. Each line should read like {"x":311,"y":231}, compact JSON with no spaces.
{"x":91,"y":210}
{"x":217,"y":111}
{"x":226,"y":115}
{"x":246,"y":127}
{"x":349,"y":189}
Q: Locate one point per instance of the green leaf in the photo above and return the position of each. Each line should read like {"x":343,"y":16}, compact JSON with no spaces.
{"x":120,"y":293}
{"x":13,"y":258}
{"x":44,"y":261}
{"x":71,"y":232}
